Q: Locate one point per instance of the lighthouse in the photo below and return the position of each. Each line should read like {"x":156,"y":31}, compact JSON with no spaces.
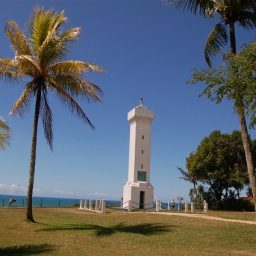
{"x":138,"y":191}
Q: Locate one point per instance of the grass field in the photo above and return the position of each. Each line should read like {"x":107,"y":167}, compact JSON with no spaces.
{"x":60,"y":231}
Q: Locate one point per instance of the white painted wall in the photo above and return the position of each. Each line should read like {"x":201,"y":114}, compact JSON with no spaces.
{"x":140,"y":119}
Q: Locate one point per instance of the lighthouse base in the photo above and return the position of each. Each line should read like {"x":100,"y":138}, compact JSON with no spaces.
{"x":138,"y":194}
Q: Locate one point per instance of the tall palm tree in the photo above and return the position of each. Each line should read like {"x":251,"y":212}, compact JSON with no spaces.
{"x":4,"y":133}
{"x":185,"y":175}
{"x":229,"y":13}
{"x":39,"y":59}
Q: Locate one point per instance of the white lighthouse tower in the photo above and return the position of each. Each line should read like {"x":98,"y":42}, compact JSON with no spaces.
{"x":138,"y":192}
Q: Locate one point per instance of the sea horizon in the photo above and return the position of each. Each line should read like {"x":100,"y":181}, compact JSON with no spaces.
{"x":45,"y":201}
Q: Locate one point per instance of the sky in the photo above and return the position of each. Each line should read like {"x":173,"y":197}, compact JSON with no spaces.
{"x":148,"y":50}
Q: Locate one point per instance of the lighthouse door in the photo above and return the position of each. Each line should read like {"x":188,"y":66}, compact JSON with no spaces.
{"x":142,"y":199}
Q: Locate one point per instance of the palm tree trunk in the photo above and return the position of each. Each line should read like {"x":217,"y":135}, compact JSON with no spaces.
{"x":232,"y":37}
{"x":243,"y":125}
{"x":195,"y":189}
{"x":248,"y":152}
{"x":33,"y":157}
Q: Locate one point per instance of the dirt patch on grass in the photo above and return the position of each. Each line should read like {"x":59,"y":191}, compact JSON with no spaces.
{"x":206,"y":217}
{"x":243,"y":253}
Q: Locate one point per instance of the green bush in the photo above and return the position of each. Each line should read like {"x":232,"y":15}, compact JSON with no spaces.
{"x":236,"y":204}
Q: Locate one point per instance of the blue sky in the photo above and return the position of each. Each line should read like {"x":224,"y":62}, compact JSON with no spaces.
{"x":148,"y":50}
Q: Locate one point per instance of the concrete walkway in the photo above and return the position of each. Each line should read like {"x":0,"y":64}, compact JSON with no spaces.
{"x":203,"y":216}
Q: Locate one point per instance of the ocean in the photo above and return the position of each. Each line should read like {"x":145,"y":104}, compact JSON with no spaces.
{"x":46,"y":201}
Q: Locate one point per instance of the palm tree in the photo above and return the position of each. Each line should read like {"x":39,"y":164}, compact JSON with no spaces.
{"x":39,"y":58}
{"x":185,"y":175}
{"x":229,"y":13}
{"x":4,"y":133}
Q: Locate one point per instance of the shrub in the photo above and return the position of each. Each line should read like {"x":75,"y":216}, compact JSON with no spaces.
{"x":236,"y":204}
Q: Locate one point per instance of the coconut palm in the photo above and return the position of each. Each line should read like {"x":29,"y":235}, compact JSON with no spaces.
{"x":4,"y":133}
{"x":185,"y":175}
{"x":229,"y":13}
{"x":39,"y":58}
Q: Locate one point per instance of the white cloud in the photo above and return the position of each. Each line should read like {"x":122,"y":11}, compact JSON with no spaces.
{"x":102,"y":195}
{"x":98,"y":194}
{"x":59,"y":192}
{"x":12,"y":189}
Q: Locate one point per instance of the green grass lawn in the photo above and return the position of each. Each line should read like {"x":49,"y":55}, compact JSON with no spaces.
{"x":63,"y":232}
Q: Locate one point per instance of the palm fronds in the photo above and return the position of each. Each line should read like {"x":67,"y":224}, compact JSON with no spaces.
{"x":76,"y":86}
{"x":195,"y":6}
{"x":216,"y":40}
{"x":46,"y":116}
{"x":247,"y":19}
{"x":187,"y":177}
{"x":72,"y":104}
{"x":23,"y":101}
{"x":229,"y":13}
{"x":44,"y":25}
{"x":9,"y":70}
{"x":17,"y":38}
{"x":74,"y":67}
{"x":28,"y":65}
{"x":4,"y":134}
{"x":40,"y":57}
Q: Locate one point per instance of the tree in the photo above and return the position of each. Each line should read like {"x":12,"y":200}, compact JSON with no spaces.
{"x":219,"y":162}
{"x":234,"y":80}
{"x":185,"y":175}
{"x":188,"y":177}
{"x":4,"y":133}
{"x":39,"y":57}
{"x":229,"y":12}
{"x":180,"y":199}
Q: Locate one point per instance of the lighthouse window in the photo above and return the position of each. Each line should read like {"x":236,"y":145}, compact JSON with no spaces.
{"x":142,"y":151}
{"x":141,"y":167}
{"x":142,"y":176}
{"x":142,"y":137}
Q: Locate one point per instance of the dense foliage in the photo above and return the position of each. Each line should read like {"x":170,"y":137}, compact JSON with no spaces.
{"x":234,"y":80}
{"x":217,"y":168}
{"x":228,"y":13}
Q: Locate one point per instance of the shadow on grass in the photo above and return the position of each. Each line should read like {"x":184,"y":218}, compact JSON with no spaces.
{"x":143,"y":229}
{"x":28,"y":249}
